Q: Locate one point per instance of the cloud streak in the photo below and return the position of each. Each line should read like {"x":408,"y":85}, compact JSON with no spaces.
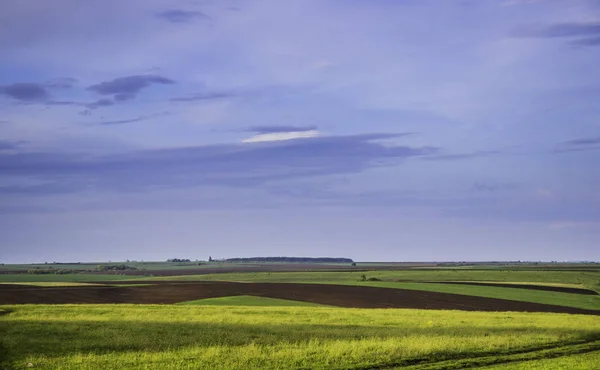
{"x":202,"y":96}
{"x":588,"y":34}
{"x":282,"y":136}
{"x":10,"y":145}
{"x":458,"y":157}
{"x":181,"y":16}
{"x":126,"y":88}
{"x":25,"y":92}
{"x":560,"y":30}
{"x":280,"y":129}
{"x":228,"y":164}
{"x":579,"y":145}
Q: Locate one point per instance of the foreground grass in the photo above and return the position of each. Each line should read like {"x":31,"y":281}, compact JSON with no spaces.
{"x":584,"y":361}
{"x":192,"y":337}
{"x":248,"y":300}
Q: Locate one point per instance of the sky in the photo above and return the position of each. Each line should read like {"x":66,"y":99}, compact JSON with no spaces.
{"x":382,"y":130}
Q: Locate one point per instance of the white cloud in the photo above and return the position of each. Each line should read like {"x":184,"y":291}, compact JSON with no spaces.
{"x":279,"y":136}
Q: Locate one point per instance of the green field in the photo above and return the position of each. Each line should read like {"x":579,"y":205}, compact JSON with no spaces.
{"x":52,"y":283}
{"x":589,"y":279}
{"x":246,"y":300}
{"x":221,"y":337}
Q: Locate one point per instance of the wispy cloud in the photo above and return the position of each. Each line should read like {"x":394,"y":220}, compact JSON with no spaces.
{"x":104,"y":102}
{"x":61,"y":83}
{"x":227,"y":164}
{"x":280,"y":129}
{"x":584,"y":141}
{"x":578,"y":145}
{"x":10,"y":145}
{"x":457,"y":157}
{"x":181,"y":16}
{"x":125,"y":88}
{"x":281,"y":136}
{"x":593,"y":41}
{"x":559,"y":30}
{"x":120,"y":122}
{"x":132,"y":120}
{"x":580,"y":34}
{"x":25,"y":92}
{"x":203,"y":96}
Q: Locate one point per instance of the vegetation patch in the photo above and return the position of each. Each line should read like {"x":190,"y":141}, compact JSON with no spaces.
{"x":51,"y":283}
{"x":585,"y":361}
{"x":247,"y":300}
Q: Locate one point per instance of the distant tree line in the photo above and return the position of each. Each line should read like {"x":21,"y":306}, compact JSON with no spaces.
{"x":291,"y":259}
{"x":40,"y":271}
{"x":178,"y":260}
{"x":120,"y":267}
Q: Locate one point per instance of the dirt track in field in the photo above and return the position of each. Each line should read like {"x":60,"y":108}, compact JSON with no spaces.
{"x":548,"y":288}
{"x":334,"y":295}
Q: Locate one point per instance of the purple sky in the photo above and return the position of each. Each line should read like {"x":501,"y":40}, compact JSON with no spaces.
{"x":375,"y":130}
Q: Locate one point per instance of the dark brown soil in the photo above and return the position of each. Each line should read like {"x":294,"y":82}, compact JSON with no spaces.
{"x":524,"y":286}
{"x":335,"y":295}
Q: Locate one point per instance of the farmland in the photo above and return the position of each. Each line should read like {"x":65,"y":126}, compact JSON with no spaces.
{"x":308,"y":316}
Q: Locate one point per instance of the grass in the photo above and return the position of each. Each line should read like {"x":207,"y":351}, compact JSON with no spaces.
{"x":247,"y":300}
{"x":53,"y":283}
{"x":517,"y":283}
{"x":398,"y":279}
{"x":218,"y":337}
{"x":586,"y":361}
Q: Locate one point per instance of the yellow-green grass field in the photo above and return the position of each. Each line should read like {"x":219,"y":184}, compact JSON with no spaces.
{"x":242,"y":337}
{"x":585,"y":361}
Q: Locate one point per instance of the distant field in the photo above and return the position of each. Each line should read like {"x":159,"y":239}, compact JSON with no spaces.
{"x":246,"y":300}
{"x":52,"y":283}
{"x":587,"y":279}
{"x":405,"y":279}
{"x":16,"y":278}
{"x":413,"y":279}
{"x":216,"y":337}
